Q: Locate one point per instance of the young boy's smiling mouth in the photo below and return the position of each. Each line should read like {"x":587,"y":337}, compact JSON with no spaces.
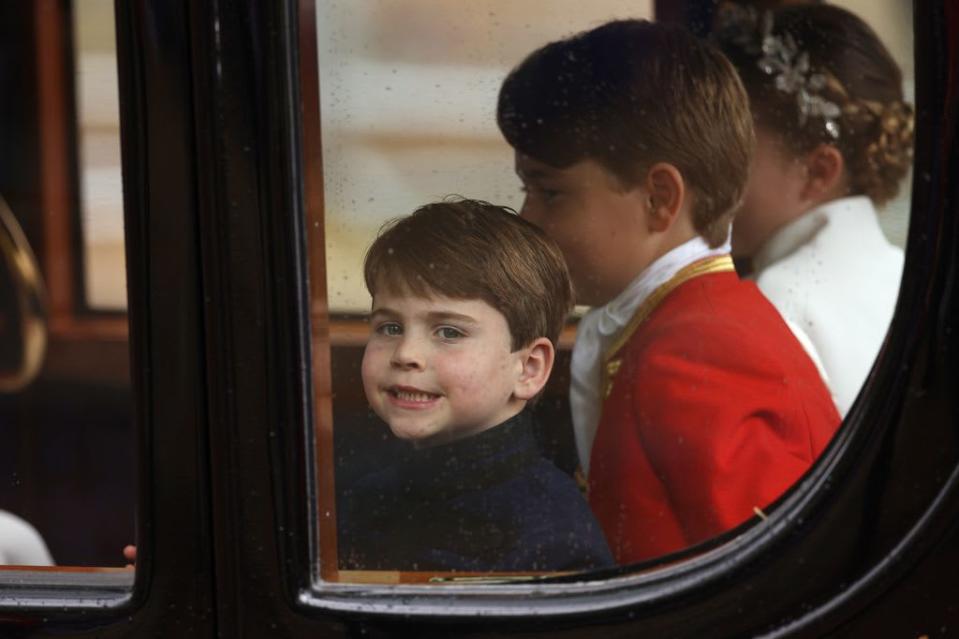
{"x":411,"y":397}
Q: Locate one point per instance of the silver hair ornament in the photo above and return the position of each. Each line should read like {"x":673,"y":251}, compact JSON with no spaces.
{"x":780,"y":57}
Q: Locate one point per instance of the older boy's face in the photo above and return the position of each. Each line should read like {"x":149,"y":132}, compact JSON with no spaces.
{"x":598,"y":224}
{"x":438,"y":369}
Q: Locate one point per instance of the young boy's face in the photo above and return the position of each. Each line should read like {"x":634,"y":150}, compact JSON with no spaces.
{"x":599,"y":224}
{"x":438,"y":369}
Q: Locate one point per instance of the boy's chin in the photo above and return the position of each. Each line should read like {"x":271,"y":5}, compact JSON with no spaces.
{"x":428,"y":438}
{"x":428,"y":435}
{"x":418,"y":437}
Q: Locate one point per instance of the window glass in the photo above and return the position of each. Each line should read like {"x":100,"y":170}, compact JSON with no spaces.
{"x":66,"y":439}
{"x":407,"y":111}
{"x":409,"y":115}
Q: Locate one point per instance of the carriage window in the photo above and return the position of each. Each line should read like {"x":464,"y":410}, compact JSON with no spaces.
{"x":414,"y":102}
{"x":66,"y":440}
{"x":98,"y":122}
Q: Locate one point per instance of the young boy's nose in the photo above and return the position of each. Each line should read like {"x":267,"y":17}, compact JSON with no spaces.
{"x":408,"y":353}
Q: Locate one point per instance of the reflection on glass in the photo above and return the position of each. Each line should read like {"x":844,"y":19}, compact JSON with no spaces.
{"x":24,"y":302}
{"x":66,"y":495}
{"x":680,"y":430}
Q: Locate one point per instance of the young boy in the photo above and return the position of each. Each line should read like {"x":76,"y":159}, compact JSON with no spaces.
{"x":468,"y":302}
{"x":693,"y":404}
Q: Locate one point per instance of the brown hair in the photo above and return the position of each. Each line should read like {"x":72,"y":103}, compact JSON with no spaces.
{"x":631,"y":93}
{"x":469,"y":249}
{"x":874,"y":124}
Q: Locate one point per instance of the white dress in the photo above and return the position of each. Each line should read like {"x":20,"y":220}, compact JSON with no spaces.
{"x":20,"y":543}
{"x":833,"y":273}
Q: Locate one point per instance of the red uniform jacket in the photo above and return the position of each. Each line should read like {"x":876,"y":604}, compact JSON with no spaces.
{"x":713,"y":409}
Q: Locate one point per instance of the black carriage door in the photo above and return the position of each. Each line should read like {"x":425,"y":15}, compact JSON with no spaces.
{"x":102,"y":388}
{"x":216,"y":380}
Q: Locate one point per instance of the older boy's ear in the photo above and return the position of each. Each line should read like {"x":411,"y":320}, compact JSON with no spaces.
{"x":537,"y":362}
{"x":825,"y":174}
{"x":667,"y":192}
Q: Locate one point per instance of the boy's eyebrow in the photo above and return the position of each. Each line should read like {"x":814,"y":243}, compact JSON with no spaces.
{"x":433,"y":316}
{"x":450,"y":316}
{"x":383,"y":311}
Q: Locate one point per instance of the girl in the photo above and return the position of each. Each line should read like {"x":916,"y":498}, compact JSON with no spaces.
{"x":834,"y":141}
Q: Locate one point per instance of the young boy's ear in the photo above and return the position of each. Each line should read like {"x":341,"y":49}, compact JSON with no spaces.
{"x":537,"y":362}
{"x":667,"y":193}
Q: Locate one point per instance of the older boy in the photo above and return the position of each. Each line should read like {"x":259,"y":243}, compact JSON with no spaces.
{"x":468,"y":301}
{"x":693,"y":404}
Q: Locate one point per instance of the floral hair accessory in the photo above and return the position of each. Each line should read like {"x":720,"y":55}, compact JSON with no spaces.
{"x":780,"y":57}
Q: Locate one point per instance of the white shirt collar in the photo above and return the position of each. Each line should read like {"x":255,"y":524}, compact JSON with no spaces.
{"x":600,"y":326}
{"x":800,"y":231}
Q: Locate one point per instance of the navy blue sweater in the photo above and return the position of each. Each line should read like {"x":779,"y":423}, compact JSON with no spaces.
{"x":489,"y":502}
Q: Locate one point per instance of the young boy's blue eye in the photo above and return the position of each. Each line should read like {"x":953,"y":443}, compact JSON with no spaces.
{"x":448,"y":332}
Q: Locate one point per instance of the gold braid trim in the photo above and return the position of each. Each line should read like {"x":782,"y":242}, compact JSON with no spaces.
{"x":705,"y":266}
